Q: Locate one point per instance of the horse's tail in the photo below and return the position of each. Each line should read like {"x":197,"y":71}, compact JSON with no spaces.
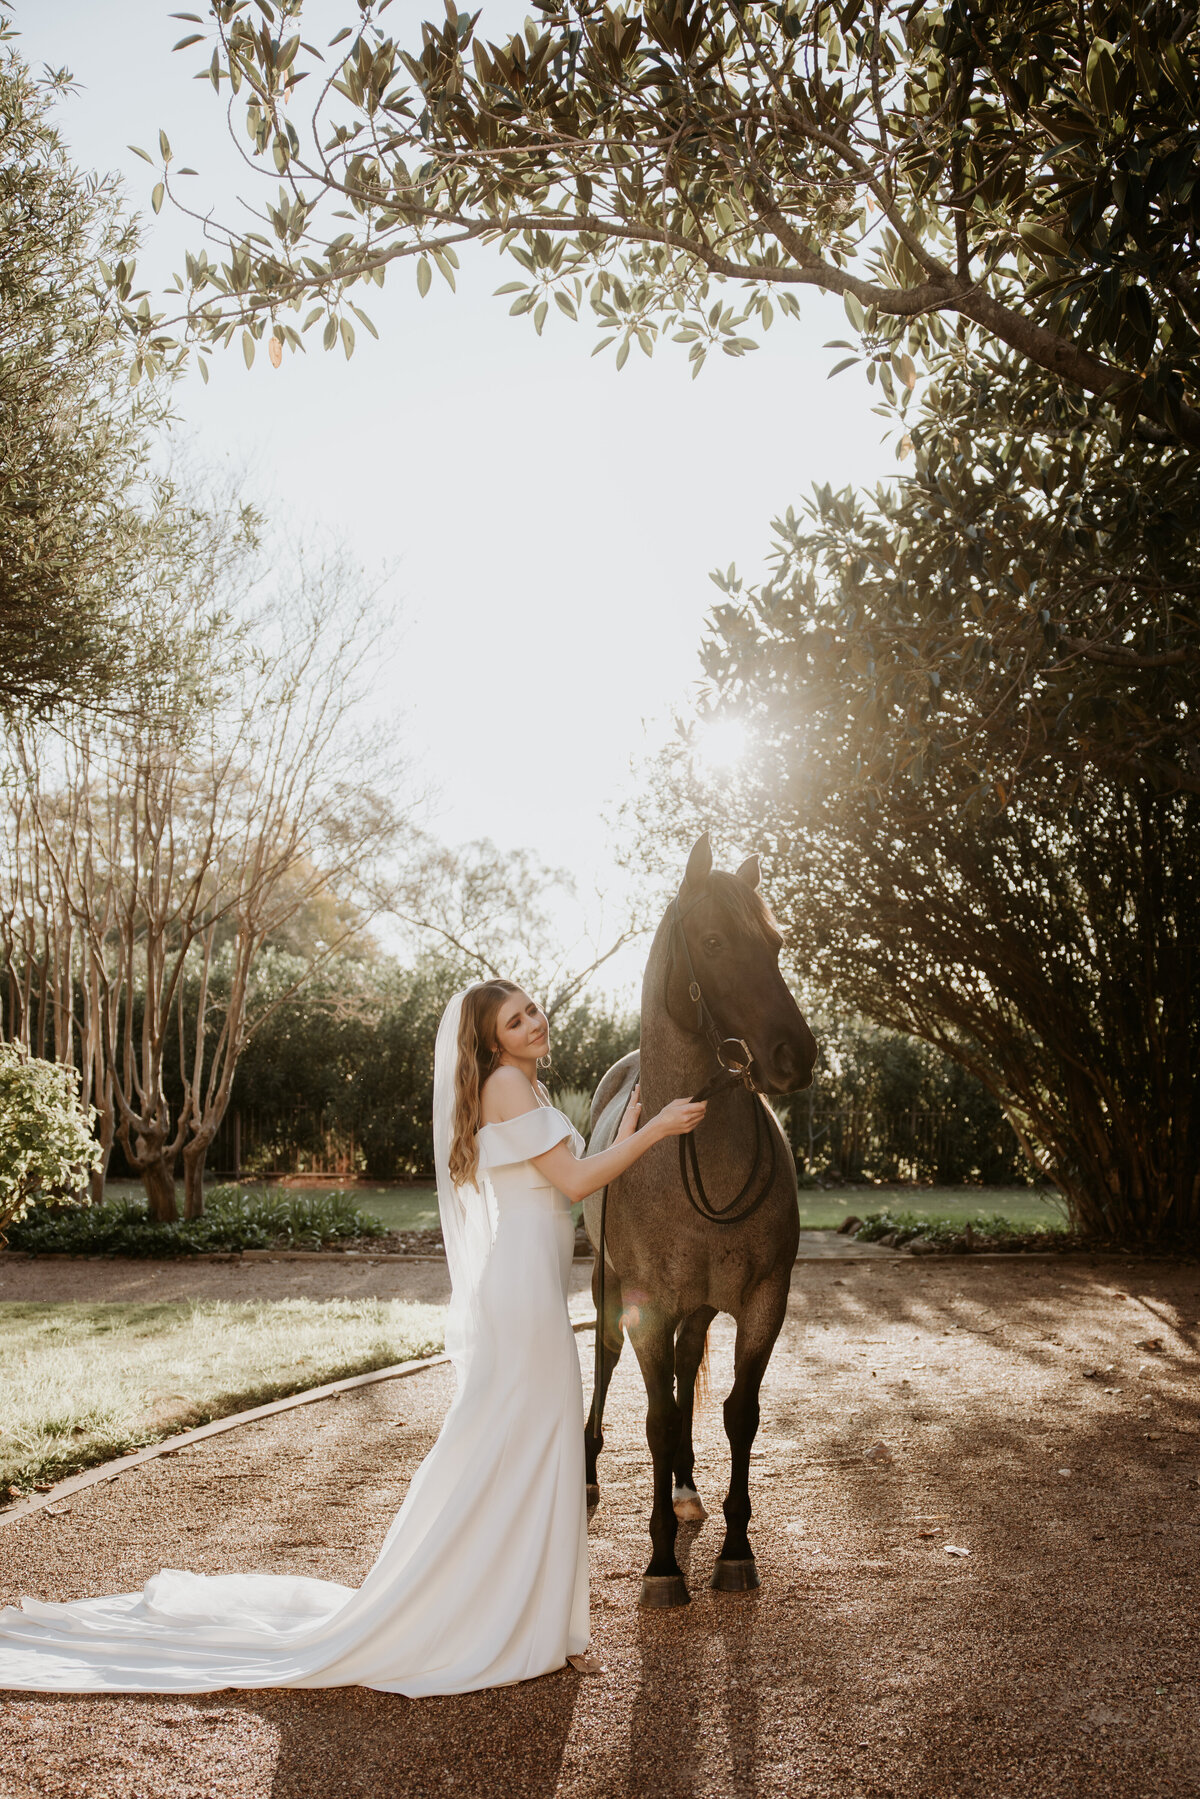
{"x":703,"y":1388}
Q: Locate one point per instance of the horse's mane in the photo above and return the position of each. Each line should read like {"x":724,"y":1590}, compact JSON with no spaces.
{"x":745,"y":907}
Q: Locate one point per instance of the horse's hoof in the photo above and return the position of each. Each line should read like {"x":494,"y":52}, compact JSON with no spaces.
{"x":663,"y":1590}
{"x":688,"y":1505}
{"x":593,"y":1495}
{"x":734,"y":1577}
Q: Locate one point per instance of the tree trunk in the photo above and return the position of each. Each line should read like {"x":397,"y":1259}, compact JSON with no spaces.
{"x":194,"y":1157}
{"x":158,"y":1178}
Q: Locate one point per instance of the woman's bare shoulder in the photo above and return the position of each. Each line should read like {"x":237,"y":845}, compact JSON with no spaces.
{"x":506,"y":1094}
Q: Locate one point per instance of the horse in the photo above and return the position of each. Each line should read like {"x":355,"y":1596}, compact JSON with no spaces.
{"x":706,"y":1223}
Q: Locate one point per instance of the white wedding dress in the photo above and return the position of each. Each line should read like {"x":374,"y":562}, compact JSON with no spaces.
{"x":482,"y":1577}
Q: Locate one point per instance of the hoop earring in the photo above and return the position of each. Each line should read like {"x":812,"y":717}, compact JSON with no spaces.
{"x":543,"y":1062}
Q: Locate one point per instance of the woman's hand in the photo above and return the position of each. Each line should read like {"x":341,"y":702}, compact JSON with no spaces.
{"x":631,"y":1116}
{"x":680,"y":1117}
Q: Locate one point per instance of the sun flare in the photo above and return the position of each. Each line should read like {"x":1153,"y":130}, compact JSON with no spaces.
{"x":721,"y":745}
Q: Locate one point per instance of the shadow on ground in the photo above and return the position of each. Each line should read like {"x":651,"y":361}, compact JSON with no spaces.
{"x":1058,"y":1658}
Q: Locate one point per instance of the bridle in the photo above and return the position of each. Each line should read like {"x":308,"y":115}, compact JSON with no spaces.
{"x":706,"y":1024}
{"x":732,"y":1071}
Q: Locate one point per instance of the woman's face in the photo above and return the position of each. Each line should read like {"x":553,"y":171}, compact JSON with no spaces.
{"x":521,"y":1029}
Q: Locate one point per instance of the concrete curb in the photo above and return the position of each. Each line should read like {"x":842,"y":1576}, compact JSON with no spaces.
{"x":95,"y":1477}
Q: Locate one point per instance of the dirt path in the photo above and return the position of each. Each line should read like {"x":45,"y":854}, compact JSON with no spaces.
{"x":1058,"y":1658}
{"x":100,"y":1279}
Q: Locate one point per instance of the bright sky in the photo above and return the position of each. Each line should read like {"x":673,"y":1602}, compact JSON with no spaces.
{"x":550,"y":524}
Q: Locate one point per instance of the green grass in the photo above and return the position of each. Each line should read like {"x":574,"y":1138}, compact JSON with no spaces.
{"x":1024,"y":1206}
{"x":401,"y":1208}
{"x":83,"y":1383}
{"x":415,"y":1208}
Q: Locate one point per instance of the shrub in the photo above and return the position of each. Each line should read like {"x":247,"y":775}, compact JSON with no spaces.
{"x":578,"y":1107}
{"x":46,"y":1141}
{"x":986,"y":1231}
{"x":233,"y":1220}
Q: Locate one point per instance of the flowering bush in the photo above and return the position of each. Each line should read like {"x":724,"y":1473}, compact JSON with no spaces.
{"x":46,"y":1141}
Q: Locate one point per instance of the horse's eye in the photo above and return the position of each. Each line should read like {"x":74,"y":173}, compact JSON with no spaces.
{"x":713,"y":945}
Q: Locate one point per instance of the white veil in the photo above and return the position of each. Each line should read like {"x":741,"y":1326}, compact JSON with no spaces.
{"x":467,"y":1213}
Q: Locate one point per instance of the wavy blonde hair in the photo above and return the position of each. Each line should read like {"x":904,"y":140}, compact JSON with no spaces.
{"x":476,"y":1059}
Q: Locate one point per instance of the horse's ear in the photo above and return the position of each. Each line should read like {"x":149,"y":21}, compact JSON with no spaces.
{"x":750,"y":872}
{"x":699,"y":865}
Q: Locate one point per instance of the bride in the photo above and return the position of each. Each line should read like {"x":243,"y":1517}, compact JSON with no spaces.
{"x":482,"y":1577}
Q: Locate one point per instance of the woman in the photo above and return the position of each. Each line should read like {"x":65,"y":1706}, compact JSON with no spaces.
{"x":482,"y":1577}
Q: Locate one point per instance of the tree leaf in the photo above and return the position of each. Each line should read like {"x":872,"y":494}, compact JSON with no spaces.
{"x":424,"y":276}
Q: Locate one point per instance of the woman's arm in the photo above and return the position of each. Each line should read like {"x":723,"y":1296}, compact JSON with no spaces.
{"x":576,"y":1177}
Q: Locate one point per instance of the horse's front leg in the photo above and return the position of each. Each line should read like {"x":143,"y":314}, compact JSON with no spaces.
{"x":654,"y":1343}
{"x":611,"y":1344}
{"x":757,"y":1328}
{"x":689,"y":1352}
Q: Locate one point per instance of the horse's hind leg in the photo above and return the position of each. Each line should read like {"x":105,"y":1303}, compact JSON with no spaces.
{"x":689,"y":1352}
{"x":757,"y":1328}
{"x":611,"y":1344}
{"x":653,"y":1340}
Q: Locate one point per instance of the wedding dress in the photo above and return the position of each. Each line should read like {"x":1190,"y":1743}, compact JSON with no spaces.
{"x":482,"y":1577}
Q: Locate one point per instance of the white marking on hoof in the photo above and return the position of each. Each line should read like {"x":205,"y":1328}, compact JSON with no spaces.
{"x":688,"y":1505}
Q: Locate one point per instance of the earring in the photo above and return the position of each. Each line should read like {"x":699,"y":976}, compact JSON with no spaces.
{"x":543,"y":1061}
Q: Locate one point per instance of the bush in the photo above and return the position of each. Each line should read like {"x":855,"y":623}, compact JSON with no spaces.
{"x":988,"y":1231}
{"x":46,"y":1141}
{"x":890,"y":1107}
{"x":233,"y":1220}
{"x":578,"y":1107}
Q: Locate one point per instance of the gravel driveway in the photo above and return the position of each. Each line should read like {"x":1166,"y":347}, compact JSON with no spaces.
{"x":1042,"y":1416}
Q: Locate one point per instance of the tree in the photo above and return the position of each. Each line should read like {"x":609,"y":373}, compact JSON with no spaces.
{"x":1026,"y":169}
{"x":980,"y":804}
{"x":490,"y":911}
{"x":76,"y":498}
{"x":183,"y":836}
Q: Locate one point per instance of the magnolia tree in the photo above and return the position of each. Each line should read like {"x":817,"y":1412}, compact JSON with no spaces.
{"x":46,"y":1141}
{"x":180,"y":839}
{"x":688,"y":168}
{"x":970,"y":710}
{"x":78,"y":501}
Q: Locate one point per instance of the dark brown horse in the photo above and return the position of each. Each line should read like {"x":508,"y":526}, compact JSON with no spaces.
{"x":703,"y":1224}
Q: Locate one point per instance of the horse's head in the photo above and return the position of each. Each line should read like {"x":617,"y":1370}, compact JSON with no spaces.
{"x":732,"y":943}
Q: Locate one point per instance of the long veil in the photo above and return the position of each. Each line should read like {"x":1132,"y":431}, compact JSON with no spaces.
{"x":467,"y":1213}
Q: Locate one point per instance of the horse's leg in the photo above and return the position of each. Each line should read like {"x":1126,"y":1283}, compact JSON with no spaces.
{"x":611,"y":1344}
{"x":653,"y":1339}
{"x":689,"y":1352}
{"x":757,"y":1328}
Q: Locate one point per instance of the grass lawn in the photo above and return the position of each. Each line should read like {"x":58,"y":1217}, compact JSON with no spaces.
{"x":415,"y":1208}
{"x":1026,"y":1206}
{"x":84,"y":1383}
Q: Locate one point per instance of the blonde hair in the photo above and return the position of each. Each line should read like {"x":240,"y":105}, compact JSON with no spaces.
{"x":476,"y":1059}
